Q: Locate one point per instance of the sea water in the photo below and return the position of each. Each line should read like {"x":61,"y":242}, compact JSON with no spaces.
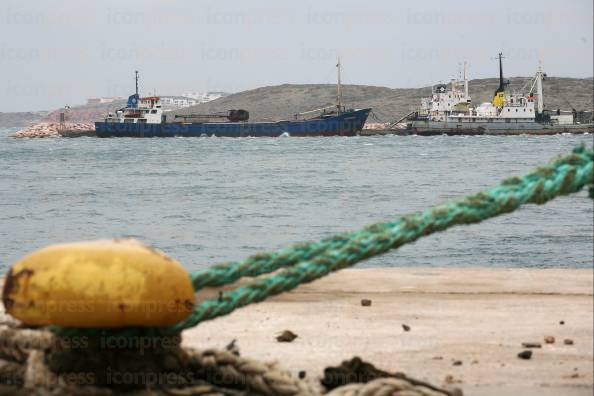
{"x":209,"y":200}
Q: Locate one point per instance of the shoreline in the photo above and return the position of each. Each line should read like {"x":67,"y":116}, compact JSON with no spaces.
{"x":53,"y":130}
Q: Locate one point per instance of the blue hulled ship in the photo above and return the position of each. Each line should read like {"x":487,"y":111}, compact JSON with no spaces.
{"x":144,"y":117}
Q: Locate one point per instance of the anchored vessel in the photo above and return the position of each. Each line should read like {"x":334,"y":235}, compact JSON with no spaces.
{"x":450,"y":111}
{"x":144,"y":117}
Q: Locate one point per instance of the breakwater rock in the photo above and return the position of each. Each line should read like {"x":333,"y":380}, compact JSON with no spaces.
{"x":54,"y":129}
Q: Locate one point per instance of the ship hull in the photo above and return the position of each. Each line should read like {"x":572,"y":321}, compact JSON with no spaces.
{"x":496,"y":127}
{"x":346,"y":124}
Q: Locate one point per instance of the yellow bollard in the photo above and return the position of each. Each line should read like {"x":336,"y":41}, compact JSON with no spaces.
{"x":98,"y":284}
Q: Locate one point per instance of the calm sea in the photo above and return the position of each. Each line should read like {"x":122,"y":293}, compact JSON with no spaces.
{"x":207,"y":200}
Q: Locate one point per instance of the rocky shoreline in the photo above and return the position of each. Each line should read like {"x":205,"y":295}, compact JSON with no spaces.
{"x":54,"y":129}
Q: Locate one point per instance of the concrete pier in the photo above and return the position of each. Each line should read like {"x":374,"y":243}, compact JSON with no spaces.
{"x":477,"y":316}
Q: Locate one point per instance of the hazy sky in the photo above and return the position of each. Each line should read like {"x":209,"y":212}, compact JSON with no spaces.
{"x":61,"y":52}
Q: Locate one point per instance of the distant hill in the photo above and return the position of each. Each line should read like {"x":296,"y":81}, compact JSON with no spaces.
{"x":283,"y":101}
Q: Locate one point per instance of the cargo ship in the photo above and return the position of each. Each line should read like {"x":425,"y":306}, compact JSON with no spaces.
{"x":450,"y":111}
{"x":144,"y":117}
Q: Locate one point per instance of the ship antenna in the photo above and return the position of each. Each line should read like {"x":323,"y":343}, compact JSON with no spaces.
{"x":338,"y":88}
{"x":501,"y":83}
{"x":465,"y":80}
{"x":136,"y":76}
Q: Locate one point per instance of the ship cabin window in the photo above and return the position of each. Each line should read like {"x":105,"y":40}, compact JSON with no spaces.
{"x":516,"y":110}
{"x":531,"y":110}
{"x":153,"y":111}
{"x":142,"y":120}
{"x":524,"y":110}
{"x":474,"y":120}
{"x":508,"y":110}
{"x":459,"y":119}
{"x":128,"y":120}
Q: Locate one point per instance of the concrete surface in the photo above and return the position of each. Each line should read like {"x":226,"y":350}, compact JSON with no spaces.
{"x":478,"y":316}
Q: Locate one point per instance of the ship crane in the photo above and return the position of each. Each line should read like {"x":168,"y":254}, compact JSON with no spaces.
{"x":538,"y":79}
{"x":339,"y":106}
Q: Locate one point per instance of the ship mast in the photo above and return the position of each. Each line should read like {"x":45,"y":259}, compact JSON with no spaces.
{"x":539,"y":78}
{"x":465,"y":80}
{"x":136,"y":76}
{"x":338,"y":89}
{"x":499,"y":96}
{"x":501,"y":86}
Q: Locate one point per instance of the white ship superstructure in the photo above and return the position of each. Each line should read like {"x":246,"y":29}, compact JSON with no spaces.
{"x":147,"y":110}
{"x":451,"y":108}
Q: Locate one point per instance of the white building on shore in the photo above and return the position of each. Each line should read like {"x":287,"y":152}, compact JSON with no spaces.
{"x":188,"y":99}
{"x":177,"y":102}
{"x":203,"y":97}
{"x":103,"y":100}
{"x":170,"y":102}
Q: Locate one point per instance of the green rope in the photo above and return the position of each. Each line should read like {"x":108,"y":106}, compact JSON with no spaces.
{"x":305,"y":262}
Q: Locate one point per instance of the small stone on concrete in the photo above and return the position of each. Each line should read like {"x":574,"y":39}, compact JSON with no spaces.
{"x":457,"y":363}
{"x":302,"y":374}
{"x":568,"y":341}
{"x":549,"y":340}
{"x":366,"y":302}
{"x":527,"y":354}
{"x":233,"y":348}
{"x":405,"y":327}
{"x":286,"y":336}
{"x":531,"y":345}
{"x":450,"y":379}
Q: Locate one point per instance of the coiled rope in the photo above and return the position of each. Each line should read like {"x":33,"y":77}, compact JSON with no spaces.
{"x":24,"y":366}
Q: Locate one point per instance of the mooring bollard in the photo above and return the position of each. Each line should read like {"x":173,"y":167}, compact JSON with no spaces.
{"x":102,"y":284}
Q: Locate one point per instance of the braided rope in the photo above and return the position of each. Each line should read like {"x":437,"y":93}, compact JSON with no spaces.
{"x":261,"y":263}
{"x":306,"y":262}
{"x":387,"y":387}
{"x":15,"y":344}
{"x":224,"y":368}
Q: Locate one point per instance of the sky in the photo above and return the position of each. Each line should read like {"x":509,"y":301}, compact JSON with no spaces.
{"x":59,"y":52}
